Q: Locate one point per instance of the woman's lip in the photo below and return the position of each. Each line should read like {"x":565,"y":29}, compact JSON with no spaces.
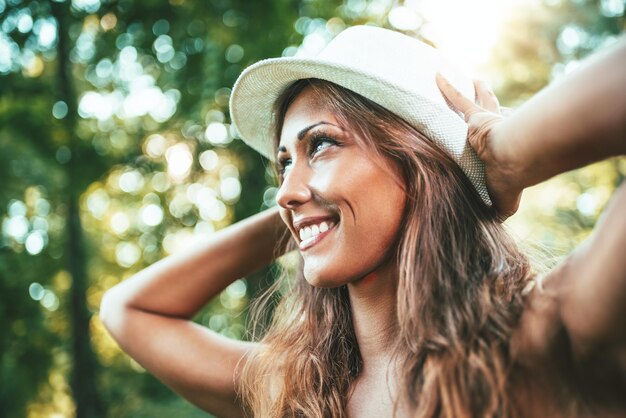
{"x":309,"y":242}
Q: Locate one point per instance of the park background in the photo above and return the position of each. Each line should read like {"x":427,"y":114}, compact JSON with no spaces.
{"x":116,"y":149}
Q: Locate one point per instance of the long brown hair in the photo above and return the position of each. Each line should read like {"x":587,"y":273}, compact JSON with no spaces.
{"x":460,"y":280}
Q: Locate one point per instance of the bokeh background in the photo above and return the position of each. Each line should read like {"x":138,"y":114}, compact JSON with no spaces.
{"x":116,"y":149}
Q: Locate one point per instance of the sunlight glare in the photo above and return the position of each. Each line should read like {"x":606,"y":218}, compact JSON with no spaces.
{"x":152,"y":214}
{"x":404,"y":18}
{"x":230,"y":189}
{"x":46,"y":30}
{"x":179,"y":240}
{"x":98,"y":203}
{"x":217,"y":133}
{"x":16,"y":227}
{"x":464,"y":31}
{"x":35,"y":242}
{"x":36,"y":291}
{"x":127,"y":254}
{"x":179,"y":161}
{"x":209,"y":160}
{"x":155,"y":145}
{"x":120,"y":223}
{"x":131,"y":181}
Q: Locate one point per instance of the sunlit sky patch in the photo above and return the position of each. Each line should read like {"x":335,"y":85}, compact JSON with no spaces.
{"x":209,"y":160}
{"x":46,"y":297}
{"x":465,"y":31}
{"x":127,"y":253}
{"x":179,"y":161}
{"x":89,"y":6}
{"x":35,"y":242}
{"x":137,"y":94}
{"x":151,"y":215}
{"x":217,"y":133}
{"x":31,"y":232}
{"x":120,"y":223}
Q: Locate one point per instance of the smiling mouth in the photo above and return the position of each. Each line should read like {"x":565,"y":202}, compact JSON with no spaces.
{"x":312,"y":234}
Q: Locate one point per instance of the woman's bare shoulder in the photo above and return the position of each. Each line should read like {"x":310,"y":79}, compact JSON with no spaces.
{"x":548,"y":375}
{"x":579,"y":307}
{"x":540,"y":334}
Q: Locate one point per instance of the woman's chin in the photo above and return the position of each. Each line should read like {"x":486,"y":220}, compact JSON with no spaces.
{"x":323,"y":280}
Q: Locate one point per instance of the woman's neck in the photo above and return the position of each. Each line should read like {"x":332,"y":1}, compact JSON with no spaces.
{"x":373,"y":303}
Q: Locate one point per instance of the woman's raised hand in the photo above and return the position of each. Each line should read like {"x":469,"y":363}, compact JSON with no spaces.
{"x":483,"y":119}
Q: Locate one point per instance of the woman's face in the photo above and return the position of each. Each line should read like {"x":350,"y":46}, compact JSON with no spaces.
{"x":342,"y":203}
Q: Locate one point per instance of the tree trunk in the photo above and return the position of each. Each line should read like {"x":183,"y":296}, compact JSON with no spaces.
{"x":83,"y":379}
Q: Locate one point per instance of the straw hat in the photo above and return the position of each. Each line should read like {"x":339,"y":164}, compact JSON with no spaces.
{"x":387,"y":67}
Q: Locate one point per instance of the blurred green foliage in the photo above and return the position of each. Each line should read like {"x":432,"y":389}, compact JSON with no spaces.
{"x":117,"y":149}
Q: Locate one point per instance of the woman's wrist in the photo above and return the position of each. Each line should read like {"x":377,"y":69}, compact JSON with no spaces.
{"x":277,"y":229}
{"x":511,"y":157}
{"x":180,"y":284}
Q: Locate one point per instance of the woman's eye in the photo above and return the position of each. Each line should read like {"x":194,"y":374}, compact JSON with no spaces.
{"x":320,"y":144}
{"x":283,"y":165}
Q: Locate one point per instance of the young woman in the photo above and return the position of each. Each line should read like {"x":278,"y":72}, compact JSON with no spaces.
{"x":410,"y":298}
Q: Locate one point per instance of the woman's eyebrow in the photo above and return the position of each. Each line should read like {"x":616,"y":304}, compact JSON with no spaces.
{"x":308,"y":128}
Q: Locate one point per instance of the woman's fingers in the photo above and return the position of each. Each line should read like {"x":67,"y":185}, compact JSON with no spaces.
{"x":483,"y":118}
{"x":456,"y":98}
{"x":485,"y":97}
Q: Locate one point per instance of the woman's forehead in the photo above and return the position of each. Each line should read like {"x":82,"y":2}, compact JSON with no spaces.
{"x":305,"y":113}
{"x":309,"y":99}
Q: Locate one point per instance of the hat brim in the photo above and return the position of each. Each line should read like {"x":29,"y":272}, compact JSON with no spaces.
{"x":253,"y":97}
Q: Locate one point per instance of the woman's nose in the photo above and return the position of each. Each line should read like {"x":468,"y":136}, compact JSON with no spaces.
{"x":294,"y":191}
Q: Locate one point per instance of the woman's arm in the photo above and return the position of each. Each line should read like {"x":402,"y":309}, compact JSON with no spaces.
{"x":592,"y":297}
{"x":579,"y":120}
{"x":150,"y":314}
{"x":573,"y":122}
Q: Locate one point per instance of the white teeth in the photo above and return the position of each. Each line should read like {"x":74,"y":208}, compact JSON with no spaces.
{"x":314,"y":230}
